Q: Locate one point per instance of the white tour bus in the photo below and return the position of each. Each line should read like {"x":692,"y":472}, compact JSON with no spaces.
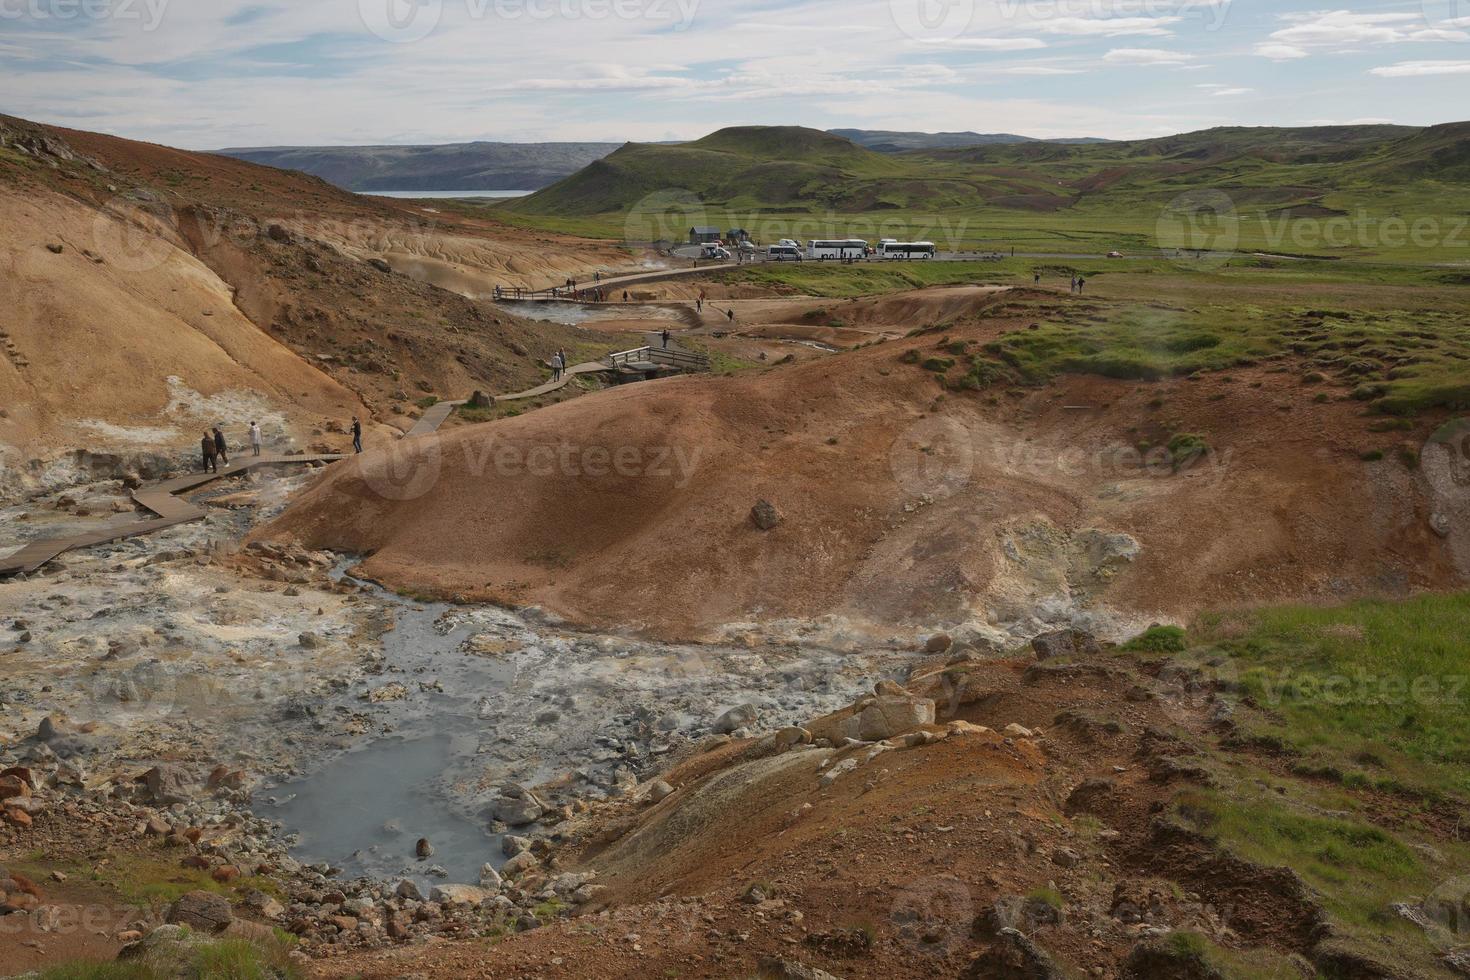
{"x":783,"y":253}
{"x":906,"y":250}
{"x":844,"y":248}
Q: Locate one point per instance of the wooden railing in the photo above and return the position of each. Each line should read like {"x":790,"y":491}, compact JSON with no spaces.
{"x":682,"y":360}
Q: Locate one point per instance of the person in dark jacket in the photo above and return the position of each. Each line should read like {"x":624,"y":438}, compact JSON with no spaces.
{"x":210,"y":451}
{"x":356,"y":434}
{"x":219,"y":444}
{"x":665,"y":337}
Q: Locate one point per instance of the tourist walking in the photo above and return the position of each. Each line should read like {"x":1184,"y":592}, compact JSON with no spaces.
{"x":356,"y":434}
{"x":254,"y":439}
{"x":665,"y":337}
{"x":1036,"y":279}
{"x":625,"y":296}
{"x":558,"y":363}
{"x":1080,"y":283}
{"x":219,"y":444}
{"x":210,"y":451}
{"x":730,"y":314}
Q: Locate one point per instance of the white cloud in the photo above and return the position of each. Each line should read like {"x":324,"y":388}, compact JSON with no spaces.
{"x":1109,"y":26}
{"x":1344,"y":30}
{"x":1216,"y":89}
{"x":1413,"y":69}
{"x":1146,"y":56}
{"x":989,"y":43}
{"x":1280,"y":52}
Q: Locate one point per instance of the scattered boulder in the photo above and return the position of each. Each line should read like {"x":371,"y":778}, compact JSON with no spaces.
{"x":201,"y":910}
{"x":167,"y":785}
{"x":887,"y":717}
{"x":519,"y":864}
{"x":1065,"y":643}
{"x":1013,"y":957}
{"x":408,"y":891}
{"x":1175,"y":956}
{"x":459,"y":894}
{"x":791,"y":737}
{"x":764,"y":515}
{"x":659,"y":791}
{"x":938,"y":643}
{"x":423,"y":849}
{"x":776,"y":968}
{"x":738,"y":717}
{"x":518,"y":812}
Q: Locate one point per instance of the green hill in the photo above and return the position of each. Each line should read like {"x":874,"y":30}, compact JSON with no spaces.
{"x":1039,"y":196}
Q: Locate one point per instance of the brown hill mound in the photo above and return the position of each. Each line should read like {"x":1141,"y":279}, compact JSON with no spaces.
{"x":192,"y":288}
{"x":899,"y":507}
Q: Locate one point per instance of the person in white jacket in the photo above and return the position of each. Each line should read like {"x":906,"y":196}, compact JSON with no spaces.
{"x":254,"y":439}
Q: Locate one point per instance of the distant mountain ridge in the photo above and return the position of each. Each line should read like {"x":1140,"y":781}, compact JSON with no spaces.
{"x":481,"y":166}
{"x":893,"y":141}
{"x":791,"y":170}
{"x":497,"y":166}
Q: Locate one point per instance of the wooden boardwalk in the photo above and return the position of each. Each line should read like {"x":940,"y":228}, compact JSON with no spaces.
{"x":171,"y":508}
{"x":162,"y":499}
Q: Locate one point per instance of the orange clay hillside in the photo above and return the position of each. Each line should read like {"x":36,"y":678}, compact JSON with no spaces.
{"x":898,"y":503}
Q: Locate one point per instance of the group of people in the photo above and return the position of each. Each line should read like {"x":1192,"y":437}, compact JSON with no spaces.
{"x":558,"y":364}
{"x":214,"y":449}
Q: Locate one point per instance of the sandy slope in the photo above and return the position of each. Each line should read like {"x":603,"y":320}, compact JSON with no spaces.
{"x":899,"y":506}
{"x":100,"y":336}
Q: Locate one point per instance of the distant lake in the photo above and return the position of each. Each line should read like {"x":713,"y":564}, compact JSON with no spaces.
{"x":446,"y":194}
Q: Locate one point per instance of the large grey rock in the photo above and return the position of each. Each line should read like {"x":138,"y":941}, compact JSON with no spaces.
{"x":519,"y":864}
{"x":764,"y":515}
{"x":889,"y":716}
{"x":1065,"y":643}
{"x":518,"y":812}
{"x":738,"y":717}
{"x":204,"y":911}
{"x":168,"y":785}
{"x":459,"y":894}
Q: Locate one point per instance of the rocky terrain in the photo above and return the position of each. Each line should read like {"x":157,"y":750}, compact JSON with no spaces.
{"x":194,"y":289}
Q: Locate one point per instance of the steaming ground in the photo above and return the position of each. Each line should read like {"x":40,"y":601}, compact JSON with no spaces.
{"x":366,"y":720}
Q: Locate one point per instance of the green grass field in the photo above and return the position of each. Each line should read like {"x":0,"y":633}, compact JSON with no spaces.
{"x":1379,"y":193}
{"x":1350,"y":756}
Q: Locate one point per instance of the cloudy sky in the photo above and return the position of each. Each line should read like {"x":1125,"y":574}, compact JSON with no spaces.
{"x":213,"y":73}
